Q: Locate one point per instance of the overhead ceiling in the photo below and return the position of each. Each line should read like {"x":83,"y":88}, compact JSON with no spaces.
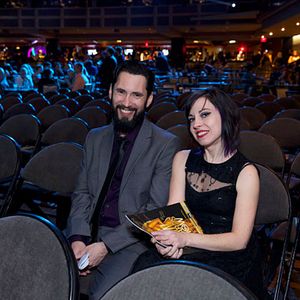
{"x":216,"y":21}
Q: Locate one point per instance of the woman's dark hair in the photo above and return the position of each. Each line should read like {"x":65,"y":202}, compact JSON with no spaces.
{"x":136,"y":68}
{"x":229,"y":111}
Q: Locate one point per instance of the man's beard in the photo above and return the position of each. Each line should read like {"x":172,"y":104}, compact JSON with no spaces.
{"x":124,"y":125}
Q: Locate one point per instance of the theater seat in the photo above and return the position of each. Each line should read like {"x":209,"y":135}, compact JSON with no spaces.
{"x":36,"y":261}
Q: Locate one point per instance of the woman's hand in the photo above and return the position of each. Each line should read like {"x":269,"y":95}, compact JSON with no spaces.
{"x":171,"y":238}
{"x":175,"y":242}
{"x":169,"y":252}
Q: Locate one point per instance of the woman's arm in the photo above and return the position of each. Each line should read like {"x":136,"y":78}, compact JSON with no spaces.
{"x":177,"y":183}
{"x":243,"y":221}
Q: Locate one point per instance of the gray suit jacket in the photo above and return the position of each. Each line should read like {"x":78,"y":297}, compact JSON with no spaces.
{"x":144,"y":186}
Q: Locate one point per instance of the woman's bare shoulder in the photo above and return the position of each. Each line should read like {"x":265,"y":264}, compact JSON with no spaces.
{"x":182,"y":155}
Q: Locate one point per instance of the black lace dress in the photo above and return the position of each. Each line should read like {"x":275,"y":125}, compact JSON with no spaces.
{"x":211,"y":196}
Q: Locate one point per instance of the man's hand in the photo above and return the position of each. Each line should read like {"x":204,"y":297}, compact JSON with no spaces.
{"x":97,"y":252}
{"x":79,"y":248}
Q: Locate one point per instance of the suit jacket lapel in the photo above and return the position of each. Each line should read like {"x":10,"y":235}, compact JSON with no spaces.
{"x":140,"y":146}
{"x":104,"y":151}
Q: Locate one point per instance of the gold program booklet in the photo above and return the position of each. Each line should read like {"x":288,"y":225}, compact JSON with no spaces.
{"x":175,"y":217}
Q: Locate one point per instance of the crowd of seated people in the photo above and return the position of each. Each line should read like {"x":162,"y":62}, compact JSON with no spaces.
{"x":75,"y":73}
{"x":78,"y":69}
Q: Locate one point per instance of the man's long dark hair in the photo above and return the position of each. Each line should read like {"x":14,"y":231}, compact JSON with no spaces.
{"x":229,"y":112}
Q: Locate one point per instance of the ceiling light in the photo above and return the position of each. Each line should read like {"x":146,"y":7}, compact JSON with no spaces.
{"x":270,"y":33}
{"x":282,"y":29}
{"x":298,"y":23}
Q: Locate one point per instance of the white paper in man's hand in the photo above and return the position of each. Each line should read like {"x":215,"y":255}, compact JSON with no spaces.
{"x":83,"y":262}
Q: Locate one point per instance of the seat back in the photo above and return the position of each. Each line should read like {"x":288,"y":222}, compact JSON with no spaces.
{"x":294,"y":169}
{"x":55,"y":98}
{"x":24,"y":128}
{"x":93,"y":116}
{"x":293,"y":175}
{"x":270,"y":109}
{"x":287,"y":103}
{"x":55,"y":168}
{"x":171,"y":119}
{"x":36,"y":261}
{"x":10,"y":158}
{"x":253,"y":116}
{"x":31,"y":95}
{"x":285,"y":131}
{"x":179,"y":280}
{"x":1,"y":112}
{"x":71,"y":104}
{"x":66,"y":130}
{"x":160,"y":109}
{"x":182,"y":132}
{"x":73,"y":94}
{"x":50,"y":114}
{"x":64,"y":90}
{"x":21,"y":108}
{"x":267,"y":97}
{"x":84,"y":99}
{"x":104,"y":104}
{"x":274,"y":204}
{"x":10,"y":101}
{"x":39,"y":103}
{"x":181,"y":100}
{"x":274,"y":207}
{"x":262,"y":148}
{"x":239,"y":97}
{"x":251,"y":101}
{"x":293,"y":113}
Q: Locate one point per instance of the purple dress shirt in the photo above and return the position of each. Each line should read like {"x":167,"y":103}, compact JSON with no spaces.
{"x":109,"y":214}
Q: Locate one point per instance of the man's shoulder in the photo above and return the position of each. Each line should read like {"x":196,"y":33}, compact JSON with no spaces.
{"x":163,"y":138}
{"x":99,"y":132}
{"x":160,"y":132}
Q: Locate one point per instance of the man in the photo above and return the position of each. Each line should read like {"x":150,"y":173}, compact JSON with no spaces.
{"x":139,"y":182}
{"x":161,"y":63}
{"x":119,"y":55}
{"x":107,"y":68}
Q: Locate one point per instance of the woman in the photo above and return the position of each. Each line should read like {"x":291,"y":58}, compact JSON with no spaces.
{"x":24,"y":80}
{"x":80,"y":79}
{"x":221,"y":188}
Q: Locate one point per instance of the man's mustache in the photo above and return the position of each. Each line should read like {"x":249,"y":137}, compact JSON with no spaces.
{"x":120,"y":106}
